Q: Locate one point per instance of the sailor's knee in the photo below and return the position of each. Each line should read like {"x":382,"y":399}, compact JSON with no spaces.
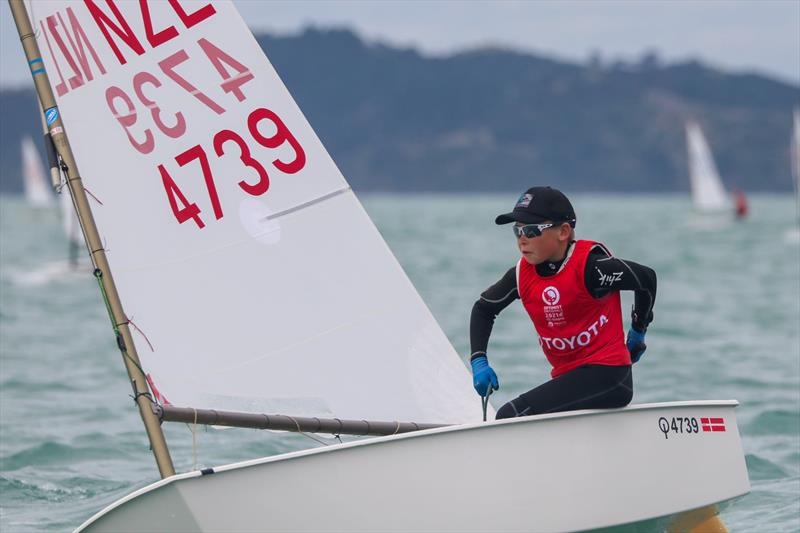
{"x":622,"y":396}
{"x":507,"y":411}
{"x":627,"y":396}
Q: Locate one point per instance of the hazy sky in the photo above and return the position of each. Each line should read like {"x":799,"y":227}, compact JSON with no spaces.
{"x":745,"y":35}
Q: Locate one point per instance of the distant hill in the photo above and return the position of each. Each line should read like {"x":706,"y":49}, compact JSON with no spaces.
{"x":492,"y":119}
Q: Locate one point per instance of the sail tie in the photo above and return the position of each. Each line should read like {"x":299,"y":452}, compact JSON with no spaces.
{"x":296,"y":423}
{"x":137,"y":328}
{"x":95,"y":198}
{"x":336,"y":435}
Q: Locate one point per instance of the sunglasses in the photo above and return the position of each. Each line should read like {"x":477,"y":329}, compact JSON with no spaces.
{"x":530,"y":230}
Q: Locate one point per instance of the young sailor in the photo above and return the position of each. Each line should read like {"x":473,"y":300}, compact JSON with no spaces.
{"x":570,"y":289}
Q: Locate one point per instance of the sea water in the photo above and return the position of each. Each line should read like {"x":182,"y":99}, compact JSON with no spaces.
{"x":727,"y":325}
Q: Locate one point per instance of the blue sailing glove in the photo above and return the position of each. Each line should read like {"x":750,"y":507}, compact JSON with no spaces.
{"x":635,"y":344}
{"x":483,"y":376}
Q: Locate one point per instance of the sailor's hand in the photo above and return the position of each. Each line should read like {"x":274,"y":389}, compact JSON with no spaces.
{"x":483,"y":376}
{"x":635,"y":344}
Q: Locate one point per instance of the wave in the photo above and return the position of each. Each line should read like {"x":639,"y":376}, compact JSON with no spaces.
{"x":774,"y":422}
{"x":28,"y":385}
{"x":51,"y":452}
{"x":43,"y":490}
{"x":56,"y":271}
{"x":761,"y":469}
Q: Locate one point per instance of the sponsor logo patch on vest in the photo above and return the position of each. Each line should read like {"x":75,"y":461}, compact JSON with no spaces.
{"x":580,"y":340}
{"x":550,"y":295}
{"x":553,"y":313}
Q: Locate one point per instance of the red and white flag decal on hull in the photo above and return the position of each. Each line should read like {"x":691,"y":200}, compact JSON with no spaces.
{"x":713,"y":424}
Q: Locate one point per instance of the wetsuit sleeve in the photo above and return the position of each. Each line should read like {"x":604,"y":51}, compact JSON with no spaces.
{"x":605,"y":274}
{"x":492,"y":301}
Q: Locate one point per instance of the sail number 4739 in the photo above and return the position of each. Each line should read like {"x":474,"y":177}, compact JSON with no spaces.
{"x":143,"y":139}
{"x":234,"y":75}
{"x":230,"y":141}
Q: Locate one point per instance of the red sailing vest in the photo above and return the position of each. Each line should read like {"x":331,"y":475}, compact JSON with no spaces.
{"x":574,"y":328}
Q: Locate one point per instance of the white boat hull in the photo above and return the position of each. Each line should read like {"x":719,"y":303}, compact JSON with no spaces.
{"x":564,"y":472}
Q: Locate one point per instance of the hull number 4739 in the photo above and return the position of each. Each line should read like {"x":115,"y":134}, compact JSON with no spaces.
{"x":679,"y":425}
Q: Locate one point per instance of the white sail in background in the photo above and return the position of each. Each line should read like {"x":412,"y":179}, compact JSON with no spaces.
{"x":708,"y":192}
{"x":254,"y":275}
{"x":796,"y":158}
{"x":36,"y":183}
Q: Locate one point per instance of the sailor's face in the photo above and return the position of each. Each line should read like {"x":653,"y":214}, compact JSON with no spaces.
{"x":543,"y":248}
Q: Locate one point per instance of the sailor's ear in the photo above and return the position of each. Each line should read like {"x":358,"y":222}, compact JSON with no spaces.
{"x":565,"y":232}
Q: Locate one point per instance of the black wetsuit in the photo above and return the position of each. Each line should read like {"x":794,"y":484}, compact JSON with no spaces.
{"x":588,"y":386}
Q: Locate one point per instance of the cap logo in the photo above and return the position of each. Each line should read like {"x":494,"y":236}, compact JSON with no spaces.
{"x":524,"y":200}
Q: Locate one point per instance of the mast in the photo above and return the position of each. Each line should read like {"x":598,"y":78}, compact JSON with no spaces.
{"x":50,"y":150}
{"x":99,"y":260}
{"x":66,"y":204}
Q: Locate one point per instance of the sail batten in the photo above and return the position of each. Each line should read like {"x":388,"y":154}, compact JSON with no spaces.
{"x":306,"y":204}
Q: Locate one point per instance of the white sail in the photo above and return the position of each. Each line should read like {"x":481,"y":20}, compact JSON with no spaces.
{"x":708,"y":192}
{"x":279,"y":299}
{"x":796,"y":158}
{"x":36,"y":184}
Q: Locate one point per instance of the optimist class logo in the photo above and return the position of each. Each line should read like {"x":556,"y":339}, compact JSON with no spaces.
{"x":550,"y":295}
{"x":713,"y":424}
{"x":51,"y":115}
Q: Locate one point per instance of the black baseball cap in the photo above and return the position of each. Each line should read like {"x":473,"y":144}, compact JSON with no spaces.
{"x":540,"y":204}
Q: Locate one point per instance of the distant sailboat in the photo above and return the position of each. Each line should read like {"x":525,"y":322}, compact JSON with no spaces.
{"x":793,"y":233}
{"x":796,"y":160}
{"x":37,"y":188}
{"x":708,"y":192}
{"x":38,"y":195}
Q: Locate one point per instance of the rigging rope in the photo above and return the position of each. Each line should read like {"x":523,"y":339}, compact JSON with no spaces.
{"x":98,"y":274}
{"x":485,"y":402}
